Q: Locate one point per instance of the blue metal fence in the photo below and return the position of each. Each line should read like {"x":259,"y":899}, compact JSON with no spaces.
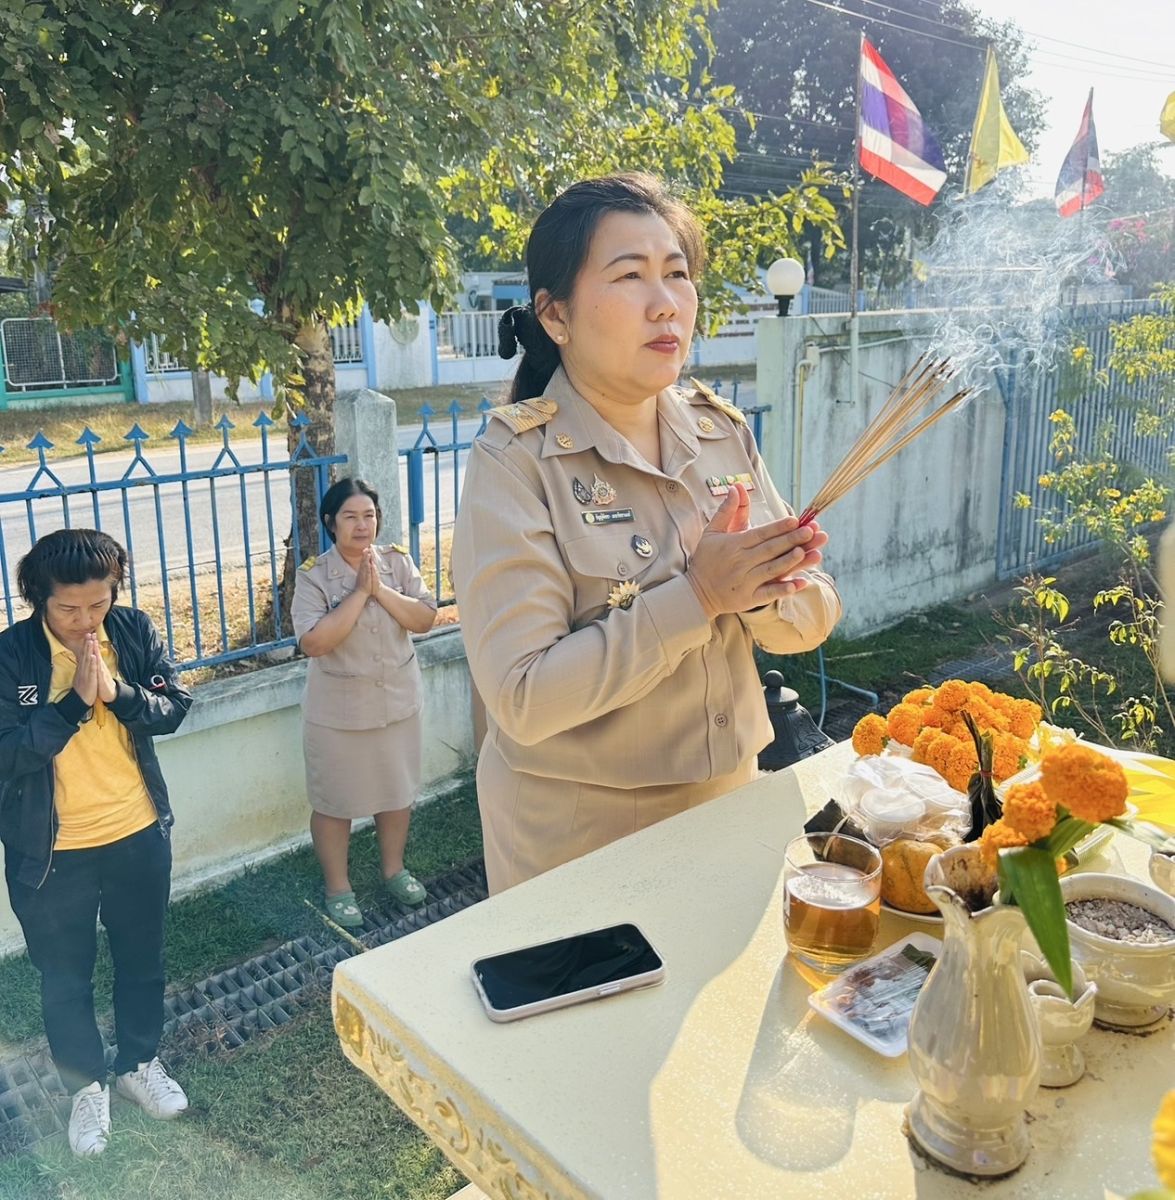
{"x":438,"y":457}
{"x":228,"y":509}
{"x":1030,"y":395}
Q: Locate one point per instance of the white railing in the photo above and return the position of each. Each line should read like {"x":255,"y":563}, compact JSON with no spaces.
{"x":38,"y":355}
{"x":467,"y":334}
{"x":347,"y":343}
{"x":160,"y":361}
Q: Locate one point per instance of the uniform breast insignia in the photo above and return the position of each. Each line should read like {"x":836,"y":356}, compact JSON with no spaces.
{"x":564,"y":441}
{"x":705,"y":425}
{"x":642,"y":546}
{"x":623,"y":594}
{"x":712,"y":397}
{"x":581,"y":491}
{"x":308,"y":563}
{"x":526,"y":414}
{"x":603,"y":493}
{"x":719,"y":485}
{"x":609,"y":516}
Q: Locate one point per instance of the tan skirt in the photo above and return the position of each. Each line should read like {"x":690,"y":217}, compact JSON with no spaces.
{"x":360,"y":772}
{"x":531,"y":824}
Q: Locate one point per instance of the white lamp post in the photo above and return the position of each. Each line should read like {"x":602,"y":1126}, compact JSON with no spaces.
{"x":785,"y":277}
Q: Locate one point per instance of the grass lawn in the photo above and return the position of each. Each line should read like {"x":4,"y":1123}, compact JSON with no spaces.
{"x":255,"y":911}
{"x":284,"y":1118}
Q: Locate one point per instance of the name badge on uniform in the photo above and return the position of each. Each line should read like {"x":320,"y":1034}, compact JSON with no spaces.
{"x":719,"y":485}
{"x":608,"y":516}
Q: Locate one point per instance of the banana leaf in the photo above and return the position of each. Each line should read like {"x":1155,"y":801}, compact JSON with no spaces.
{"x":1028,"y":879}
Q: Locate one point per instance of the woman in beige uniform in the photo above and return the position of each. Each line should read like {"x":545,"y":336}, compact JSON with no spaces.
{"x":619,"y":547}
{"x":354,"y":609}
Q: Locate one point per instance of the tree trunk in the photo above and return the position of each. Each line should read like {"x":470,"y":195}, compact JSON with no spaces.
{"x":318,"y":391}
{"x":201,"y":399}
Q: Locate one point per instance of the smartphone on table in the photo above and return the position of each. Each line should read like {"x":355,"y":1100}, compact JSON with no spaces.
{"x":570,"y":970}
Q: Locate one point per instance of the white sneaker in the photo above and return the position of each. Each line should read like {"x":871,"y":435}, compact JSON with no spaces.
{"x":153,"y":1090}
{"x":89,"y":1120}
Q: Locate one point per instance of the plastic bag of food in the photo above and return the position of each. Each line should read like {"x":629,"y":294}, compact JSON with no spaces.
{"x":890,"y":797}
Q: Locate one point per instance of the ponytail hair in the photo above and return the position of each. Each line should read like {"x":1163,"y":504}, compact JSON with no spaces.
{"x":558,"y":247}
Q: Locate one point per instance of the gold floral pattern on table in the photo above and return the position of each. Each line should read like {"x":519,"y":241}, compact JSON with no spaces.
{"x":471,"y":1133}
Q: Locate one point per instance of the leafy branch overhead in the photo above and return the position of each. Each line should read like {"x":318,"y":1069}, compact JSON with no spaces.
{"x":232,"y":176}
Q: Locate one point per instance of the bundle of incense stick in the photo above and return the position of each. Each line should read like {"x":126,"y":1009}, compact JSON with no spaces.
{"x":898,"y":423}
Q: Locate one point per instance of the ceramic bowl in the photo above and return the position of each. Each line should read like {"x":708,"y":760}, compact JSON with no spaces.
{"x":1163,"y":871}
{"x":1135,"y":983}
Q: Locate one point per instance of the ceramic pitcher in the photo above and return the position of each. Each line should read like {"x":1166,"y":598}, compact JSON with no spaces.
{"x":974,"y":1044}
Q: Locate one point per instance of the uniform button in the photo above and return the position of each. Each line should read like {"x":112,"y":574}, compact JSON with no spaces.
{"x":621,"y":570}
{"x":720,"y":720}
{"x":371,"y":604}
{"x":671,"y":486}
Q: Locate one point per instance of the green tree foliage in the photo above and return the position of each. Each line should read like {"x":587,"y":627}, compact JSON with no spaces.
{"x":200,"y":157}
{"x":795,"y":63}
{"x":1140,"y":203}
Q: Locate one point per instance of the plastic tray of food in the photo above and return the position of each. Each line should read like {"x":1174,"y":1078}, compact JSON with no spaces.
{"x":873,"y":1000}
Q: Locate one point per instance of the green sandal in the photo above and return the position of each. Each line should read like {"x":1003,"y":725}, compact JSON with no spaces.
{"x":343,"y":910}
{"x":405,"y":888}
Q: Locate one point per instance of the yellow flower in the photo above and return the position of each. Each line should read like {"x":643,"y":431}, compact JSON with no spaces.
{"x":1079,"y":352}
{"x":919,"y":696}
{"x":870,"y":734}
{"x":623,"y":594}
{"x":996,"y":837}
{"x":1029,"y":811}
{"x":1010,"y":754}
{"x":1025,"y":717}
{"x":952,"y":695}
{"x":904,"y":723}
{"x":961,"y":765}
{"x":1164,"y":1144}
{"x":1090,"y":785}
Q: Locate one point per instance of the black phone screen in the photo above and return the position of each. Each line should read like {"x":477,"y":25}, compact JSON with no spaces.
{"x":568,"y":965}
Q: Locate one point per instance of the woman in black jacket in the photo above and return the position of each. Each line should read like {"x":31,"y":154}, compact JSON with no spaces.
{"x":84,"y":816}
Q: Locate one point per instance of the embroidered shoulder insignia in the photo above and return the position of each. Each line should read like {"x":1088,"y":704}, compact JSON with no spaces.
{"x":527,"y":414}
{"x":308,"y":563}
{"x":397,"y":548}
{"x":713,"y":398}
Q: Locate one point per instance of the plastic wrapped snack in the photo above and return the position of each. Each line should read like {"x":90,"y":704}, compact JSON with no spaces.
{"x":891,"y":797}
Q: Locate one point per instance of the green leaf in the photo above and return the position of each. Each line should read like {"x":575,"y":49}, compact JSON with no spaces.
{"x":1031,"y":878}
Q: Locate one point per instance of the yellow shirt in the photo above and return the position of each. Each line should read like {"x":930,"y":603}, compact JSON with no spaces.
{"x":99,"y":793}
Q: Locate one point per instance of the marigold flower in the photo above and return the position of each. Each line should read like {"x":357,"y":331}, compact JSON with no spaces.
{"x":1164,"y":1143}
{"x":904,"y":723}
{"x":934,"y":717}
{"x":870,"y":734}
{"x":952,"y":695}
{"x":919,"y":696}
{"x":1090,"y":785}
{"x":938,"y":755}
{"x":1029,"y":811}
{"x":1010,"y":754}
{"x":996,"y":837}
{"x":922,"y":743}
{"x":980,"y":689}
{"x":1025,"y":716}
{"x":962,"y":763}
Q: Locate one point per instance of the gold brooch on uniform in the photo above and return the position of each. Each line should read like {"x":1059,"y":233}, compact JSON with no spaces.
{"x":719,"y":485}
{"x":603,"y":493}
{"x":642,"y":546}
{"x":705,"y":425}
{"x":564,"y":440}
{"x":623,"y":594}
{"x":581,"y":491}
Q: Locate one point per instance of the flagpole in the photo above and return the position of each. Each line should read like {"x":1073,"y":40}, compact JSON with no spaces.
{"x":855,"y":258}
{"x":1084,"y":181}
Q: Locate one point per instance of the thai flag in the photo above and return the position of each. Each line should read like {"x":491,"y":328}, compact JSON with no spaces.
{"x":1080,"y":182}
{"x":893,"y":143}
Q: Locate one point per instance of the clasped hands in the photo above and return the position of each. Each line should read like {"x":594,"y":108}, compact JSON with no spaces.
{"x":367,"y":580}
{"x":737,"y":567}
{"x":92,"y":680}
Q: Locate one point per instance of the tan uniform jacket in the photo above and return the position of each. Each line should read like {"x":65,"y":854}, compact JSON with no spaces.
{"x":574,"y":689}
{"x":371,"y":678}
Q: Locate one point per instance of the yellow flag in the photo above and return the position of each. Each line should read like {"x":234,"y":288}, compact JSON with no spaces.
{"x":994,"y":144}
{"x":1167,"y":118}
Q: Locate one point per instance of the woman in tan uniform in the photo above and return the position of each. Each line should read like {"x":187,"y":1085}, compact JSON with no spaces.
{"x":619,"y":547}
{"x":354,"y":609}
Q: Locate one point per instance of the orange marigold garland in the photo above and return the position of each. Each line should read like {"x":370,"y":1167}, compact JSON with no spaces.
{"x":1091,"y":785}
{"x":904,"y":723}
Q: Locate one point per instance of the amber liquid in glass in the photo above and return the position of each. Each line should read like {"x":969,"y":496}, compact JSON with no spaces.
{"x":831,"y":915}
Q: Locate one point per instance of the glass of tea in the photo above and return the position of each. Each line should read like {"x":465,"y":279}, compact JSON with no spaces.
{"x":831,"y":900}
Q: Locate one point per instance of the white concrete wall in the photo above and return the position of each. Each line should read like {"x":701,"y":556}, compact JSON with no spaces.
{"x":400,"y":364}
{"x":234,"y":769}
{"x":922,"y":529}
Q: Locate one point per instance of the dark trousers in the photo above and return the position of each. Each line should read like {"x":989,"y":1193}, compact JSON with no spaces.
{"x":125,"y":883}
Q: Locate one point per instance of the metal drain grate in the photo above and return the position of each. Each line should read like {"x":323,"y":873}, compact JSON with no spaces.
{"x":223,"y":1012}
{"x":990,"y":665}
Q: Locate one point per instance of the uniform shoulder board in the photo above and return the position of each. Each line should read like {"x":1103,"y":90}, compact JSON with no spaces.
{"x":713,"y":398}
{"x":526,"y":414}
{"x":397,"y":548}
{"x":308,"y":563}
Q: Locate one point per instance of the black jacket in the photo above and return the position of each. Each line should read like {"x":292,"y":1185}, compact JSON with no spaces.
{"x":32,"y":731}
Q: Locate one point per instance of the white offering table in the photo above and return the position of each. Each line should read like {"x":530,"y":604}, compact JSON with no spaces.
{"x":722,"y":1082}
